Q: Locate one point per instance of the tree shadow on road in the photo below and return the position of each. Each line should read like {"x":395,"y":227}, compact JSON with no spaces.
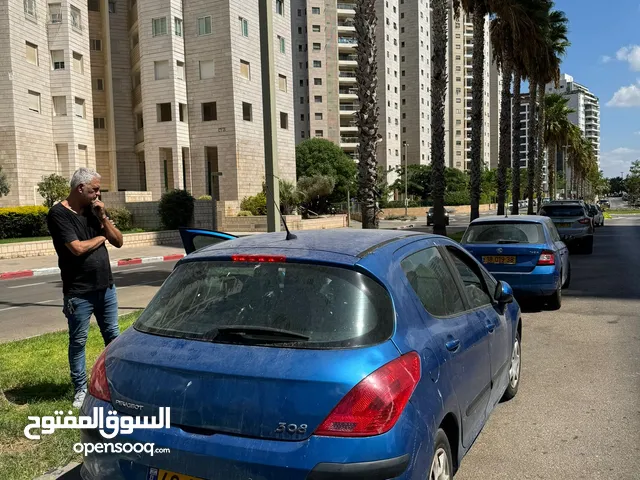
{"x":45,"y":391}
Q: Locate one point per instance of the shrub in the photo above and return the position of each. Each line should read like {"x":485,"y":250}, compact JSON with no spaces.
{"x":204,"y":197}
{"x":257,"y":204}
{"x":457,"y":198}
{"x":245,"y":213}
{"x":176,"y":209}
{"x":53,"y":188}
{"x":122,"y":218}
{"x":21,"y":222}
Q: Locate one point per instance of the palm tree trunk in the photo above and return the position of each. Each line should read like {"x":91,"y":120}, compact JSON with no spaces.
{"x":551,"y":170}
{"x":541,"y":149}
{"x":440,"y":11}
{"x":367,"y":117}
{"x":477,"y":103}
{"x":505,"y":138}
{"x":533,"y":139}
{"x":515,"y":144}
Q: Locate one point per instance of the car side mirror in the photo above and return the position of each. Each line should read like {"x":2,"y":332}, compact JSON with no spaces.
{"x":504,"y":293}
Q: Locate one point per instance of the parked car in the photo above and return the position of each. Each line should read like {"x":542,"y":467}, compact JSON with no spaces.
{"x":604,"y":204}
{"x":525,"y":251}
{"x":335,"y":354}
{"x":596,"y":214}
{"x":573,"y":222}
{"x":430,"y":214}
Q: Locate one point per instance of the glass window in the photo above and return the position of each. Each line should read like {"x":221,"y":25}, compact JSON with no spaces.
{"x":209,"y":112}
{"x":562,"y":211}
{"x":280,"y":7}
{"x":76,"y":18}
{"x":433,"y":283}
{"x":178,"y":26}
{"x":158,"y":26}
{"x":204,"y":25}
{"x":245,"y":69}
{"x":79,"y":107}
{"x":505,"y":232}
{"x":206,"y":69}
{"x":471,"y":280}
{"x":30,"y":7}
{"x":55,"y":12}
{"x":244,"y":27}
{"x":247,"y":112}
{"x":32,"y":53}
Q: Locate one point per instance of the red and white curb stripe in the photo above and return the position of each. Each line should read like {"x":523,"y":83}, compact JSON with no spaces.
{"x":38,"y":272}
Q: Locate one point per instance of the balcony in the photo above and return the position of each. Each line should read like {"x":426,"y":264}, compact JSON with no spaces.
{"x":349,"y":128}
{"x":348,"y":60}
{"x":347,"y":77}
{"x":348,"y":109}
{"x":135,"y":55}
{"x":346,"y":9}
{"x":136,"y":96}
{"x":140,"y":136}
{"x":349,"y":143}
{"x":133,"y":16}
{"x":348,"y":93}
{"x":346,"y":26}
{"x":347,"y":42}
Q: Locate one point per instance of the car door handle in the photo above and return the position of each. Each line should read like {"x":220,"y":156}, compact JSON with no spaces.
{"x":452,"y":345}
{"x":491,"y":326}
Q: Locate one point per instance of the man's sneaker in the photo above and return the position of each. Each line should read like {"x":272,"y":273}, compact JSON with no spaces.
{"x":78,"y":399}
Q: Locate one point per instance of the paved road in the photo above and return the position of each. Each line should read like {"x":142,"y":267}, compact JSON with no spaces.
{"x":577,"y":414}
{"x":32,"y":306}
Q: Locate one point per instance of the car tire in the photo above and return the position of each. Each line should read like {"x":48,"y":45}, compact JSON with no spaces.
{"x":567,"y":282}
{"x":441,"y":460}
{"x":555,"y":300}
{"x":587,"y":246}
{"x":514,"y":371}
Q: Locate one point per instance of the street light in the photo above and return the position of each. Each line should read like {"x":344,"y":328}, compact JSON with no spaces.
{"x":406,"y":174}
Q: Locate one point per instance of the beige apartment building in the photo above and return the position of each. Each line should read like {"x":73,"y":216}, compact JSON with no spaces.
{"x":154,"y":95}
{"x":324,"y":63}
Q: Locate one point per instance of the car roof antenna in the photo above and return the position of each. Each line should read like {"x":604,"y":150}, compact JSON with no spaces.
{"x":290,"y":236}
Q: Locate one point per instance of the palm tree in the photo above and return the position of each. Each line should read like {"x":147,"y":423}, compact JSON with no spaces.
{"x":367,"y":117}
{"x":557,"y":129}
{"x":440,"y":10}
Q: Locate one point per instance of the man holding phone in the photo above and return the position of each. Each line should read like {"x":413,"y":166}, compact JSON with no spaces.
{"x":79,"y":228}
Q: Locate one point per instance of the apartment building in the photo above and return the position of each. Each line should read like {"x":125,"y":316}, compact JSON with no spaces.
{"x":46,"y":107}
{"x":324,"y":63}
{"x":525,"y":125}
{"x":159,"y":95}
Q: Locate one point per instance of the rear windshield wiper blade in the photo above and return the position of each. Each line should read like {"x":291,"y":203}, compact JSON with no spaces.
{"x":253,"y":332}
{"x":500,"y":242}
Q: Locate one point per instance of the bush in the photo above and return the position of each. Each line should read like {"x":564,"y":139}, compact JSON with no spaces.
{"x":23,"y":222}
{"x":53,"y":188}
{"x":122,"y":218}
{"x":204,"y":197}
{"x":257,"y":204}
{"x":176,"y":209}
{"x":457,"y":198}
{"x":245,"y":213}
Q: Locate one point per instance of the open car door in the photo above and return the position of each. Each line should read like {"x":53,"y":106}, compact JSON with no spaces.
{"x":195,"y":238}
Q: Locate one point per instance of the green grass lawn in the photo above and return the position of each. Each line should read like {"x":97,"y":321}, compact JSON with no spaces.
{"x":34,"y":380}
{"x":457,"y":236}
{"x":623,"y":212}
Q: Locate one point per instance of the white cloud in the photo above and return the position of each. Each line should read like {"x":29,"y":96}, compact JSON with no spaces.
{"x":618,"y":160}
{"x":605,"y":59}
{"x":630,"y":54}
{"x":626,"y":97}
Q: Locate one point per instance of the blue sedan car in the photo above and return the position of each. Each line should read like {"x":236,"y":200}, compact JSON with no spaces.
{"x":524,"y":251}
{"x":336,"y":354}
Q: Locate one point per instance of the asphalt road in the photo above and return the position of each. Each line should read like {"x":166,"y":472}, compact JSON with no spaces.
{"x":32,"y":306}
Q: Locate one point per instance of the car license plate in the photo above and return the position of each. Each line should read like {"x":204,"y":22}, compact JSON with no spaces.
{"x":500,"y":259}
{"x":157,"y":474}
{"x":563,"y":225}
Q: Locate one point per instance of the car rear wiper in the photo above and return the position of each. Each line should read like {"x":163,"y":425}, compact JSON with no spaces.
{"x":258,"y":332}
{"x":500,"y":242}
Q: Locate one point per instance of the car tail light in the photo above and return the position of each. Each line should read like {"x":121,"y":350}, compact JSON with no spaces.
{"x":259,"y":258}
{"x":585,"y":221}
{"x":98,"y":386}
{"x":547,"y":258}
{"x":374,"y":405}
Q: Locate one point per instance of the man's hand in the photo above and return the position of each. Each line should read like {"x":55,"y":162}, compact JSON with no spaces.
{"x":98,"y":209}
{"x":111,"y":231}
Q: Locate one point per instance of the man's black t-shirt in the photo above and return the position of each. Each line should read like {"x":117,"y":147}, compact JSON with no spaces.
{"x":84,"y":273}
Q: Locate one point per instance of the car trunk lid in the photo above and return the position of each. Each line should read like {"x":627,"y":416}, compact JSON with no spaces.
{"x":508,"y":258}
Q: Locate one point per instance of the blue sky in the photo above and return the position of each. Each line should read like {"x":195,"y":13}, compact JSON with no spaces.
{"x":605,"y":56}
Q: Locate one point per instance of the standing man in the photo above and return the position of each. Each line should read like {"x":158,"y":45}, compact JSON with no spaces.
{"x":79,"y":228}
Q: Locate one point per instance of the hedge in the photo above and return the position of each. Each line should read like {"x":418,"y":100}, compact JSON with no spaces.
{"x":22,"y":222}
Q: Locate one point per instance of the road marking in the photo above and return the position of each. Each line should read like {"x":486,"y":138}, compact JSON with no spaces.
{"x":5,"y":309}
{"x":28,"y":285}
{"x":133,"y":270}
{"x":48,"y":301}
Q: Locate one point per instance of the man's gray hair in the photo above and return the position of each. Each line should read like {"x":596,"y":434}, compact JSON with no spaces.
{"x":83,"y":176}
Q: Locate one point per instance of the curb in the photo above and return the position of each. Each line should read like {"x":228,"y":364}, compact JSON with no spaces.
{"x":38,"y":272}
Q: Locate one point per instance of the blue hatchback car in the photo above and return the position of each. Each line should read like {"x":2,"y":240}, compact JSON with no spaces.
{"x":337,"y":354}
{"x":524,"y":251}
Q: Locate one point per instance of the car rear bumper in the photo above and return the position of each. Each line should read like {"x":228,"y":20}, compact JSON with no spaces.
{"x":400,"y":454}
{"x":542,"y":280}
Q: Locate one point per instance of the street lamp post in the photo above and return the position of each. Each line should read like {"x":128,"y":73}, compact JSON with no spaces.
{"x":406,"y":174}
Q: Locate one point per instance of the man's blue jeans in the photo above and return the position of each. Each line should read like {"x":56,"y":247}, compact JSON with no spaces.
{"x":78,"y":309}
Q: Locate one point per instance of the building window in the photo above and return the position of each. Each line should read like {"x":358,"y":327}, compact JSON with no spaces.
{"x":209,"y":112}
{"x":57,"y":59}
{"x":284,"y":121}
{"x":99,"y":123}
{"x":247,"y":113}
{"x":161,"y":70}
{"x":32,"y":53}
{"x":79,"y":110}
{"x":30,"y":8}
{"x":244,"y":27}
{"x":245,"y":69}
{"x":177,"y":25}
{"x":317,"y":81}
{"x":317,"y":47}
{"x":315,"y":28}
{"x":206,"y":69}
{"x":60,"y":106}
{"x":76,"y":18}
{"x":280,"y":7}
{"x":317,"y":64}
{"x":204,"y":25}
{"x":317,"y":98}
{"x":112,"y":6}
{"x":282,"y":83}
{"x":158,"y":26}
{"x":93,"y":5}
{"x":318,"y":116}
{"x":302,"y":134}
{"x":55,"y":13}
{"x":282,"y":43}
{"x":34,"y":101}
{"x":315,"y":10}
{"x":319,"y":133}
{"x":164,"y":112}
{"x":98,"y":84}
{"x":179,"y":70}
{"x":182,"y":112}
{"x":96,"y":44}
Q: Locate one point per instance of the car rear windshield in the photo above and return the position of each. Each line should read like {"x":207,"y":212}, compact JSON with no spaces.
{"x":504,"y":232}
{"x":562,"y":211}
{"x":333,"y":307}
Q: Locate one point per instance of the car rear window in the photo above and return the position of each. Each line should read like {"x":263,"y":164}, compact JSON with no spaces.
{"x":333,"y":306}
{"x":504,"y":232}
{"x":562,"y":211}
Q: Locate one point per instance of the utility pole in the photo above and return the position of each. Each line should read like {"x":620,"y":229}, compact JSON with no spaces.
{"x":271,"y":171}
{"x":406,"y":175}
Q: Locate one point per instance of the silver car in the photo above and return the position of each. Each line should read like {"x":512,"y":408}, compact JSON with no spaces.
{"x":573,"y":222}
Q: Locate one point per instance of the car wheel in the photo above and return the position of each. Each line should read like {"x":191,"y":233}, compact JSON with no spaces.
{"x":514,"y":370}
{"x":442,"y":462}
{"x":555,"y":301}
{"x":587,"y":246}
{"x":567,"y":282}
